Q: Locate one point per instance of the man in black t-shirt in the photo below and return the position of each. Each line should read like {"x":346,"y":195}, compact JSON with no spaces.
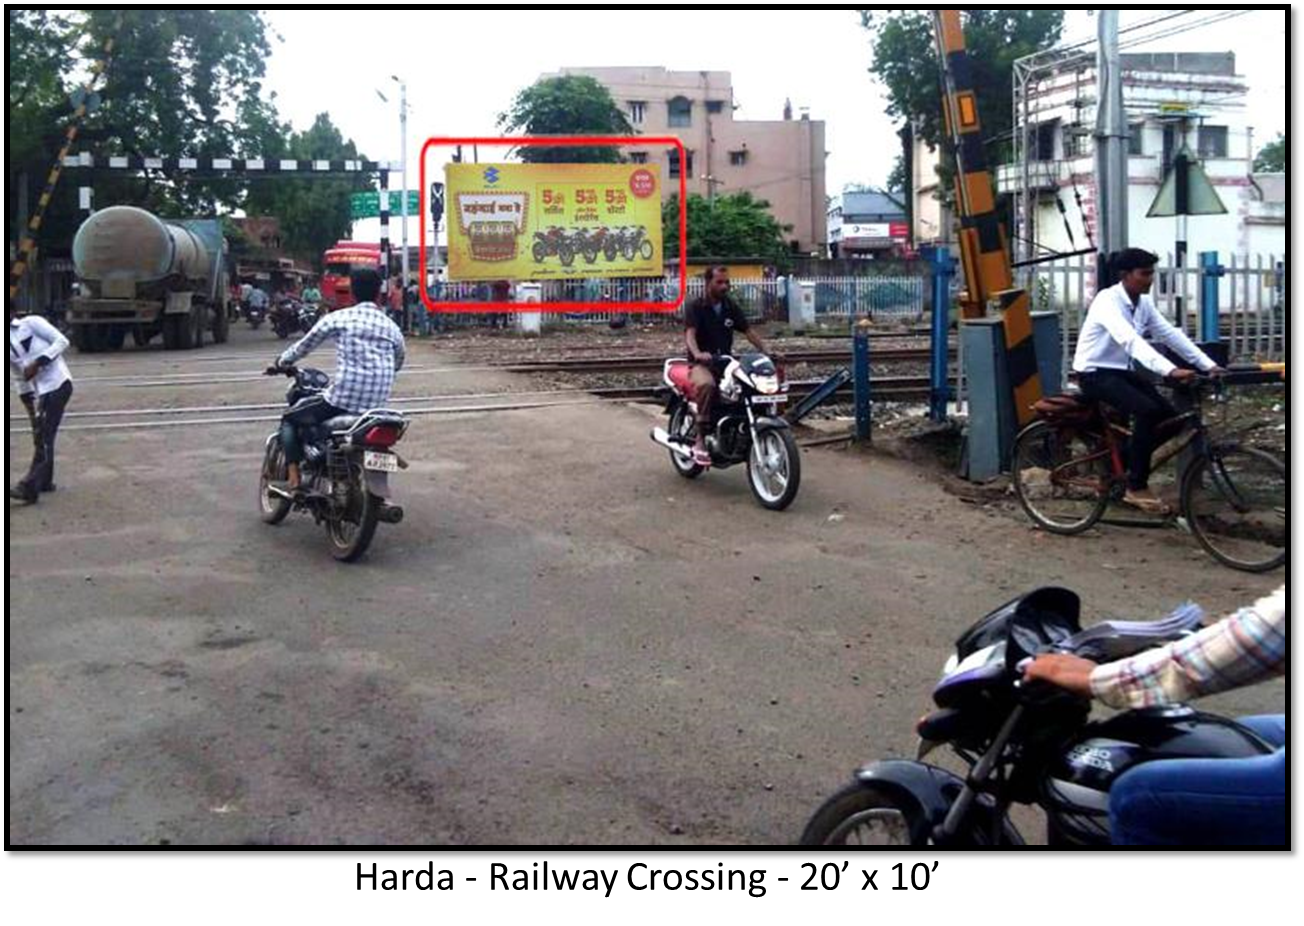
{"x":710,"y":323}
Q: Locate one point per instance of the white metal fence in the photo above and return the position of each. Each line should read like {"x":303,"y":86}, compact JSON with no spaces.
{"x":1251,"y":300}
{"x":762,"y":299}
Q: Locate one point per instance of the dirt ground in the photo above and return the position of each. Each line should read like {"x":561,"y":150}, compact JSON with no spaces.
{"x":563,"y":643}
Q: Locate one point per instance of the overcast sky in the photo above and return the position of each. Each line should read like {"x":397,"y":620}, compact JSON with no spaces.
{"x":463,"y":68}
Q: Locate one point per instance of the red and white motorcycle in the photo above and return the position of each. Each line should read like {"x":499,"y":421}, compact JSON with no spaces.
{"x":747,"y":426}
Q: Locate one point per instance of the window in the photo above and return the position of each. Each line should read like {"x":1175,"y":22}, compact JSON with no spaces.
{"x":637,"y":110}
{"x":1213,"y":141}
{"x":714,"y":106}
{"x":638,"y":157}
{"x":737,"y":158}
{"x":674,"y":162}
{"x":1043,"y":140}
{"x":679,"y":112}
{"x":1134,"y":145}
{"x":690,"y":163}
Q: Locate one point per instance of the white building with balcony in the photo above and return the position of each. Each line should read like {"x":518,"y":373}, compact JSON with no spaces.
{"x":1171,"y":99}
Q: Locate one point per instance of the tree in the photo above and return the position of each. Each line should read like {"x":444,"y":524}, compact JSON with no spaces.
{"x":1272,"y":156}
{"x":737,"y":225}
{"x":178,"y":80}
{"x":905,"y":60}
{"x":567,"y":105}
{"x":40,"y":43}
{"x":314,"y":213}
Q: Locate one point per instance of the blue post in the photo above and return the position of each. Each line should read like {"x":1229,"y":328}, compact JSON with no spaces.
{"x":860,"y":376}
{"x":1210,"y":271}
{"x":942,"y":268}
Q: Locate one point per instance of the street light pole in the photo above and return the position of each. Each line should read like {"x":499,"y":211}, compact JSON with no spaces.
{"x":403,"y":203}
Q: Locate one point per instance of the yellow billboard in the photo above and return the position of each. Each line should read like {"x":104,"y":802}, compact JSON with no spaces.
{"x":553,"y":221}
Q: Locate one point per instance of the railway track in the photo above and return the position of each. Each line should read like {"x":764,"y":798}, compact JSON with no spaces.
{"x":888,"y":388}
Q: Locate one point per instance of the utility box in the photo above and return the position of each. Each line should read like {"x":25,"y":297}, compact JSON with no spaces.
{"x":527,"y":293}
{"x":801,"y":304}
{"x":993,"y":421}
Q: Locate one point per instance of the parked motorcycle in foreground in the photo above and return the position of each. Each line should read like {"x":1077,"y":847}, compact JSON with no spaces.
{"x":1024,"y":743}
{"x":747,"y":427}
{"x":346,"y":467}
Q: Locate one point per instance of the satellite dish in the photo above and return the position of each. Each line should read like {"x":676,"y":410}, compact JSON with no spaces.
{"x":93,"y":102}
{"x":77,"y":98}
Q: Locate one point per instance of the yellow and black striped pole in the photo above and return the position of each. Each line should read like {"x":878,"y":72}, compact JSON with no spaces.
{"x":983,"y":252}
{"x":27,"y":243}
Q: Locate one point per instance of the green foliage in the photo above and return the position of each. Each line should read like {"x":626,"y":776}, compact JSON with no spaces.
{"x":567,"y":105}
{"x":726,"y":227}
{"x":905,"y":60}
{"x":1272,"y":156}
{"x":181,"y":82}
{"x":313,"y":213}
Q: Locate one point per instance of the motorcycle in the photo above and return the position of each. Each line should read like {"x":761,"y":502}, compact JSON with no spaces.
{"x":284,"y":317}
{"x":254,"y":315}
{"x":554,"y":242}
{"x":309,"y":315}
{"x":1030,"y":743}
{"x":634,"y":243}
{"x":747,"y":428}
{"x":345,"y":470}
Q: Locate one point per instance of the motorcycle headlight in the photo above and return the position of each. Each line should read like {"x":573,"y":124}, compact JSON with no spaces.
{"x":766,"y":385}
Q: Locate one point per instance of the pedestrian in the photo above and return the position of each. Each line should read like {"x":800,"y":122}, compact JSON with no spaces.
{"x":394,"y":299}
{"x":36,"y":361}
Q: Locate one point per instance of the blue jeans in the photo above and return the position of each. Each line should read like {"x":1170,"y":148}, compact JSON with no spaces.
{"x":1206,"y":802}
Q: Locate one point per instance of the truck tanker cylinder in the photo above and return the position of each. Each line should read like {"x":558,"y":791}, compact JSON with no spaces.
{"x":123,"y":244}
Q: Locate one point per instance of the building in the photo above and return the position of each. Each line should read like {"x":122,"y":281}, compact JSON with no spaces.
{"x":1171,"y":100}
{"x":780,"y":161}
{"x":866,"y":224}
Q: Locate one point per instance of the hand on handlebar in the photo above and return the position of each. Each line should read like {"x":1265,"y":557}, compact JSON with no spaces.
{"x":1182,"y":376}
{"x":704,"y":356}
{"x":1063,"y":670}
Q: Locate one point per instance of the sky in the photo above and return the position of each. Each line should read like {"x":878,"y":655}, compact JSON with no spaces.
{"x":462,"y":68}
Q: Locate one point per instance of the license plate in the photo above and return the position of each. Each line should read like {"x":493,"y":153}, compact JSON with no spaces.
{"x":383,"y":462}
{"x":766,"y":399}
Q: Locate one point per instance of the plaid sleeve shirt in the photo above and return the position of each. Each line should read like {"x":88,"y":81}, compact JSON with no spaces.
{"x":369,"y":352}
{"x":1246,"y":647}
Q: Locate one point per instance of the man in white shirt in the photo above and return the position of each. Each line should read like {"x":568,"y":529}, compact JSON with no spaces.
{"x":36,"y":361}
{"x":1112,"y":339}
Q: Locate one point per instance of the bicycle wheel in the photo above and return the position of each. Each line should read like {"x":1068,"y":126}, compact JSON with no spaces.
{"x":1234,"y":501}
{"x":1061,"y":476}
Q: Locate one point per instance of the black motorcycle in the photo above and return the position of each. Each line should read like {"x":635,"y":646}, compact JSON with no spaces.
{"x":345,"y":470}
{"x":1027,"y":743}
{"x":747,"y":427}
{"x":254,"y":315}
{"x":284,"y":318}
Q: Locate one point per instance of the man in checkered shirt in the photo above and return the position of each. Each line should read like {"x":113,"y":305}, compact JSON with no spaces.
{"x":369,"y":351}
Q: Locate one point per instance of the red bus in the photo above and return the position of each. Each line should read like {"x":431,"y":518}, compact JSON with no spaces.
{"x":338,"y":262}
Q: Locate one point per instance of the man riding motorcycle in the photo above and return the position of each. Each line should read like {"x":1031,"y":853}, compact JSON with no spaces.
{"x":710,"y":322}
{"x":1194,"y":801}
{"x":369,"y":352}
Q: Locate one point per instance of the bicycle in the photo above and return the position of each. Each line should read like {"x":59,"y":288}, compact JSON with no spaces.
{"x":1068,"y":466}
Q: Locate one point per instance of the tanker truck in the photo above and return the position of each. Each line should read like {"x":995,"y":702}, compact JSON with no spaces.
{"x":140,"y":275}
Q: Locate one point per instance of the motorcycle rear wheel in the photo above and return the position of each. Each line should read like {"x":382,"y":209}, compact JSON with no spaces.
{"x":681,"y":426}
{"x":349,"y":539}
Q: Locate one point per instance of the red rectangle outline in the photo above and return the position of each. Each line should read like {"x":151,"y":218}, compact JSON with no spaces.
{"x":558,"y":140}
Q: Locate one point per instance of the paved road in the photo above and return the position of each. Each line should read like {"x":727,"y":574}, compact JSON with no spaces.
{"x":563,"y":643}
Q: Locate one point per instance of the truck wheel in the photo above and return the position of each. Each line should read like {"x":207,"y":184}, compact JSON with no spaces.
{"x":140,"y":335}
{"x":114,"y":336}
{"x":87,"y":338}
{"x":177,"y":332}
{"x":221,"y":326}
{"x":198,"y":321}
